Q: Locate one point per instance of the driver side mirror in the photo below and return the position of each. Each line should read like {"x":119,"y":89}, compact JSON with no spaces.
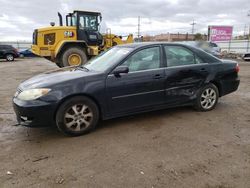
{"x":121,"y":69}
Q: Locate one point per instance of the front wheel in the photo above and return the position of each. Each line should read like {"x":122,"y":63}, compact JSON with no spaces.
{"x":207,"y":98}
{"x":77,"y":116}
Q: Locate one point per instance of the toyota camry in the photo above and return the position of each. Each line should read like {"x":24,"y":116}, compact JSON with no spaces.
{"x":124,"y":80}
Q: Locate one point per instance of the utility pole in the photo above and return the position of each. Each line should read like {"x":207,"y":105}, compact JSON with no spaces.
{"x":245,"y":31}
{"x":139,"y":28}
{"x":249,"y":26}
{"x":248,"y":14}
{"x":193,"y":24}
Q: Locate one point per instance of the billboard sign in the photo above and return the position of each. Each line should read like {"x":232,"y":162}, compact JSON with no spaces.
{"x":220,"y":33}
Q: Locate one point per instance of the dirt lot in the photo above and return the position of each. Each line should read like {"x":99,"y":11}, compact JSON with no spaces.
{"x":170,"y":148}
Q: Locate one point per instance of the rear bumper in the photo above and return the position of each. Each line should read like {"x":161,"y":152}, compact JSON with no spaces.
{"x":34,"y":113}
{"x":229,"y":86}
{"x":35,"y":50}
{"x":17,"y":55}
{"x":43,"y":51}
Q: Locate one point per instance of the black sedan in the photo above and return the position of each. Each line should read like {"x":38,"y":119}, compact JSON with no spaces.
{"x":124,"y":80}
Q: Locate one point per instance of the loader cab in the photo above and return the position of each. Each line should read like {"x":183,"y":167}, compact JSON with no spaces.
{"x":87,"y":26}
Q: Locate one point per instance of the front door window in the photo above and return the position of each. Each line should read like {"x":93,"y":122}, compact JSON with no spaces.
{"x":145,"y":59}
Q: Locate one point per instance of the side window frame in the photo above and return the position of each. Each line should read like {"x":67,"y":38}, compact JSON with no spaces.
{"x":138,"y":50}
{"x":193,"y":53}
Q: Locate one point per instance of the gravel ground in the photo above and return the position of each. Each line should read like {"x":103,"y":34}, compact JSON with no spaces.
{"x":171,"y":148}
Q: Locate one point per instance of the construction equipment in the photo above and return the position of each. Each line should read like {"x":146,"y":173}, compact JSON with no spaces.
{"x":76,"y":42}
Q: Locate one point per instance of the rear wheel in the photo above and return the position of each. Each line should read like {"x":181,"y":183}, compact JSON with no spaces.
{"x":72,"y":57}
{"x":77,"y":116}
{"x":207,"y":98}
{"x":9,"y":57}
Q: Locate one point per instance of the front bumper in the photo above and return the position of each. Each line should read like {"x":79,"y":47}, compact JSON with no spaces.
{"x":246,"y":58}
{"x":34,"y":113}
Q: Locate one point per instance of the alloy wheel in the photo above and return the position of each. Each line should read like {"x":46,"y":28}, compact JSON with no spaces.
{"x":78,"y":117}
{"x":208,"y":98}
{"x":9,"y":57}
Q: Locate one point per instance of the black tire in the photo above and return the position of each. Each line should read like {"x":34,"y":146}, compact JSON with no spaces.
{"x":64,"y":60}
{"x":211,"y":100}
{"x":73,"y":124}
{"x":9,"y":57}
{"x":58,"y":63}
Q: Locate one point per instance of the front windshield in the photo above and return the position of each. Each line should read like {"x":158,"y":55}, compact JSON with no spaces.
{"x":107,"y":59}
{"x":88,"y":22}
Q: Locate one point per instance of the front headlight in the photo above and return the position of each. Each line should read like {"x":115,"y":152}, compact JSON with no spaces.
{"x":32,"y":94}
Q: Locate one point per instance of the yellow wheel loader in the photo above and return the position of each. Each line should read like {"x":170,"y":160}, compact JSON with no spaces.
{"x":76,"y":42}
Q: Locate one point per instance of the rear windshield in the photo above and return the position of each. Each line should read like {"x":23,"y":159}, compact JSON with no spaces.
{"x":206,"y":57}
{"x":213,"y":44}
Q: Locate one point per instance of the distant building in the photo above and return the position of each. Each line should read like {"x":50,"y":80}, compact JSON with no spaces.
{"x":173,"y":37}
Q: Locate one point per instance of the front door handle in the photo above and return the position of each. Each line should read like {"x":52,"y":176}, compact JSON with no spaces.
{"x":203,"y":70}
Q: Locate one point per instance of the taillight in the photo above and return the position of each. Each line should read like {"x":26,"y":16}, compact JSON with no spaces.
{"x":237,"y":68}
{"x":15,"y":50}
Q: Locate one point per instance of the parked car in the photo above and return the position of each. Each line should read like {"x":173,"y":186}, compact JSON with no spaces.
{"x":8,"y":52}
{"x":124,"y":80}
{"x":246,"y":57}
{"x":27,"y":53}
{"x":214,"y":46}
{"x":209,"y":47}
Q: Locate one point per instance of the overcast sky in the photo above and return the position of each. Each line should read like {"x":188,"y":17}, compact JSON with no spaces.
{"x":18,"y":18}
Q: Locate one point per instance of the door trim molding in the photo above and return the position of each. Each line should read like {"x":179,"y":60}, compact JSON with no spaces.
{"x":136,"y":94}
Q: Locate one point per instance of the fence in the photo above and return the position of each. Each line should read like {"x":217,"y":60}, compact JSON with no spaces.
{"x":20,"y":45}
{"x":235,"y":46}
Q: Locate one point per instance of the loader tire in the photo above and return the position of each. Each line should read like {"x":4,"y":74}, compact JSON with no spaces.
{"x":73,"y":57}
{"x":58,"y":62}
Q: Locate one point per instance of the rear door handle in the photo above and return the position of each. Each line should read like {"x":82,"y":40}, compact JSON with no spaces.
{"x":158,"y":76}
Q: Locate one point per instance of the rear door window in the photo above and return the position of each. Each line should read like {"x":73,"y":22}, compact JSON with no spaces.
{"x":179,"y":56}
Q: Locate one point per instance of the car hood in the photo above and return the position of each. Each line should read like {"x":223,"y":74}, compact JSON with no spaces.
{"x":54,"y":77}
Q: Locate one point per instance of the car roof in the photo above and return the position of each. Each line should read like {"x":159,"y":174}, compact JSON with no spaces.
{"x":195,"y":49}
{"x":144,"y":44}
